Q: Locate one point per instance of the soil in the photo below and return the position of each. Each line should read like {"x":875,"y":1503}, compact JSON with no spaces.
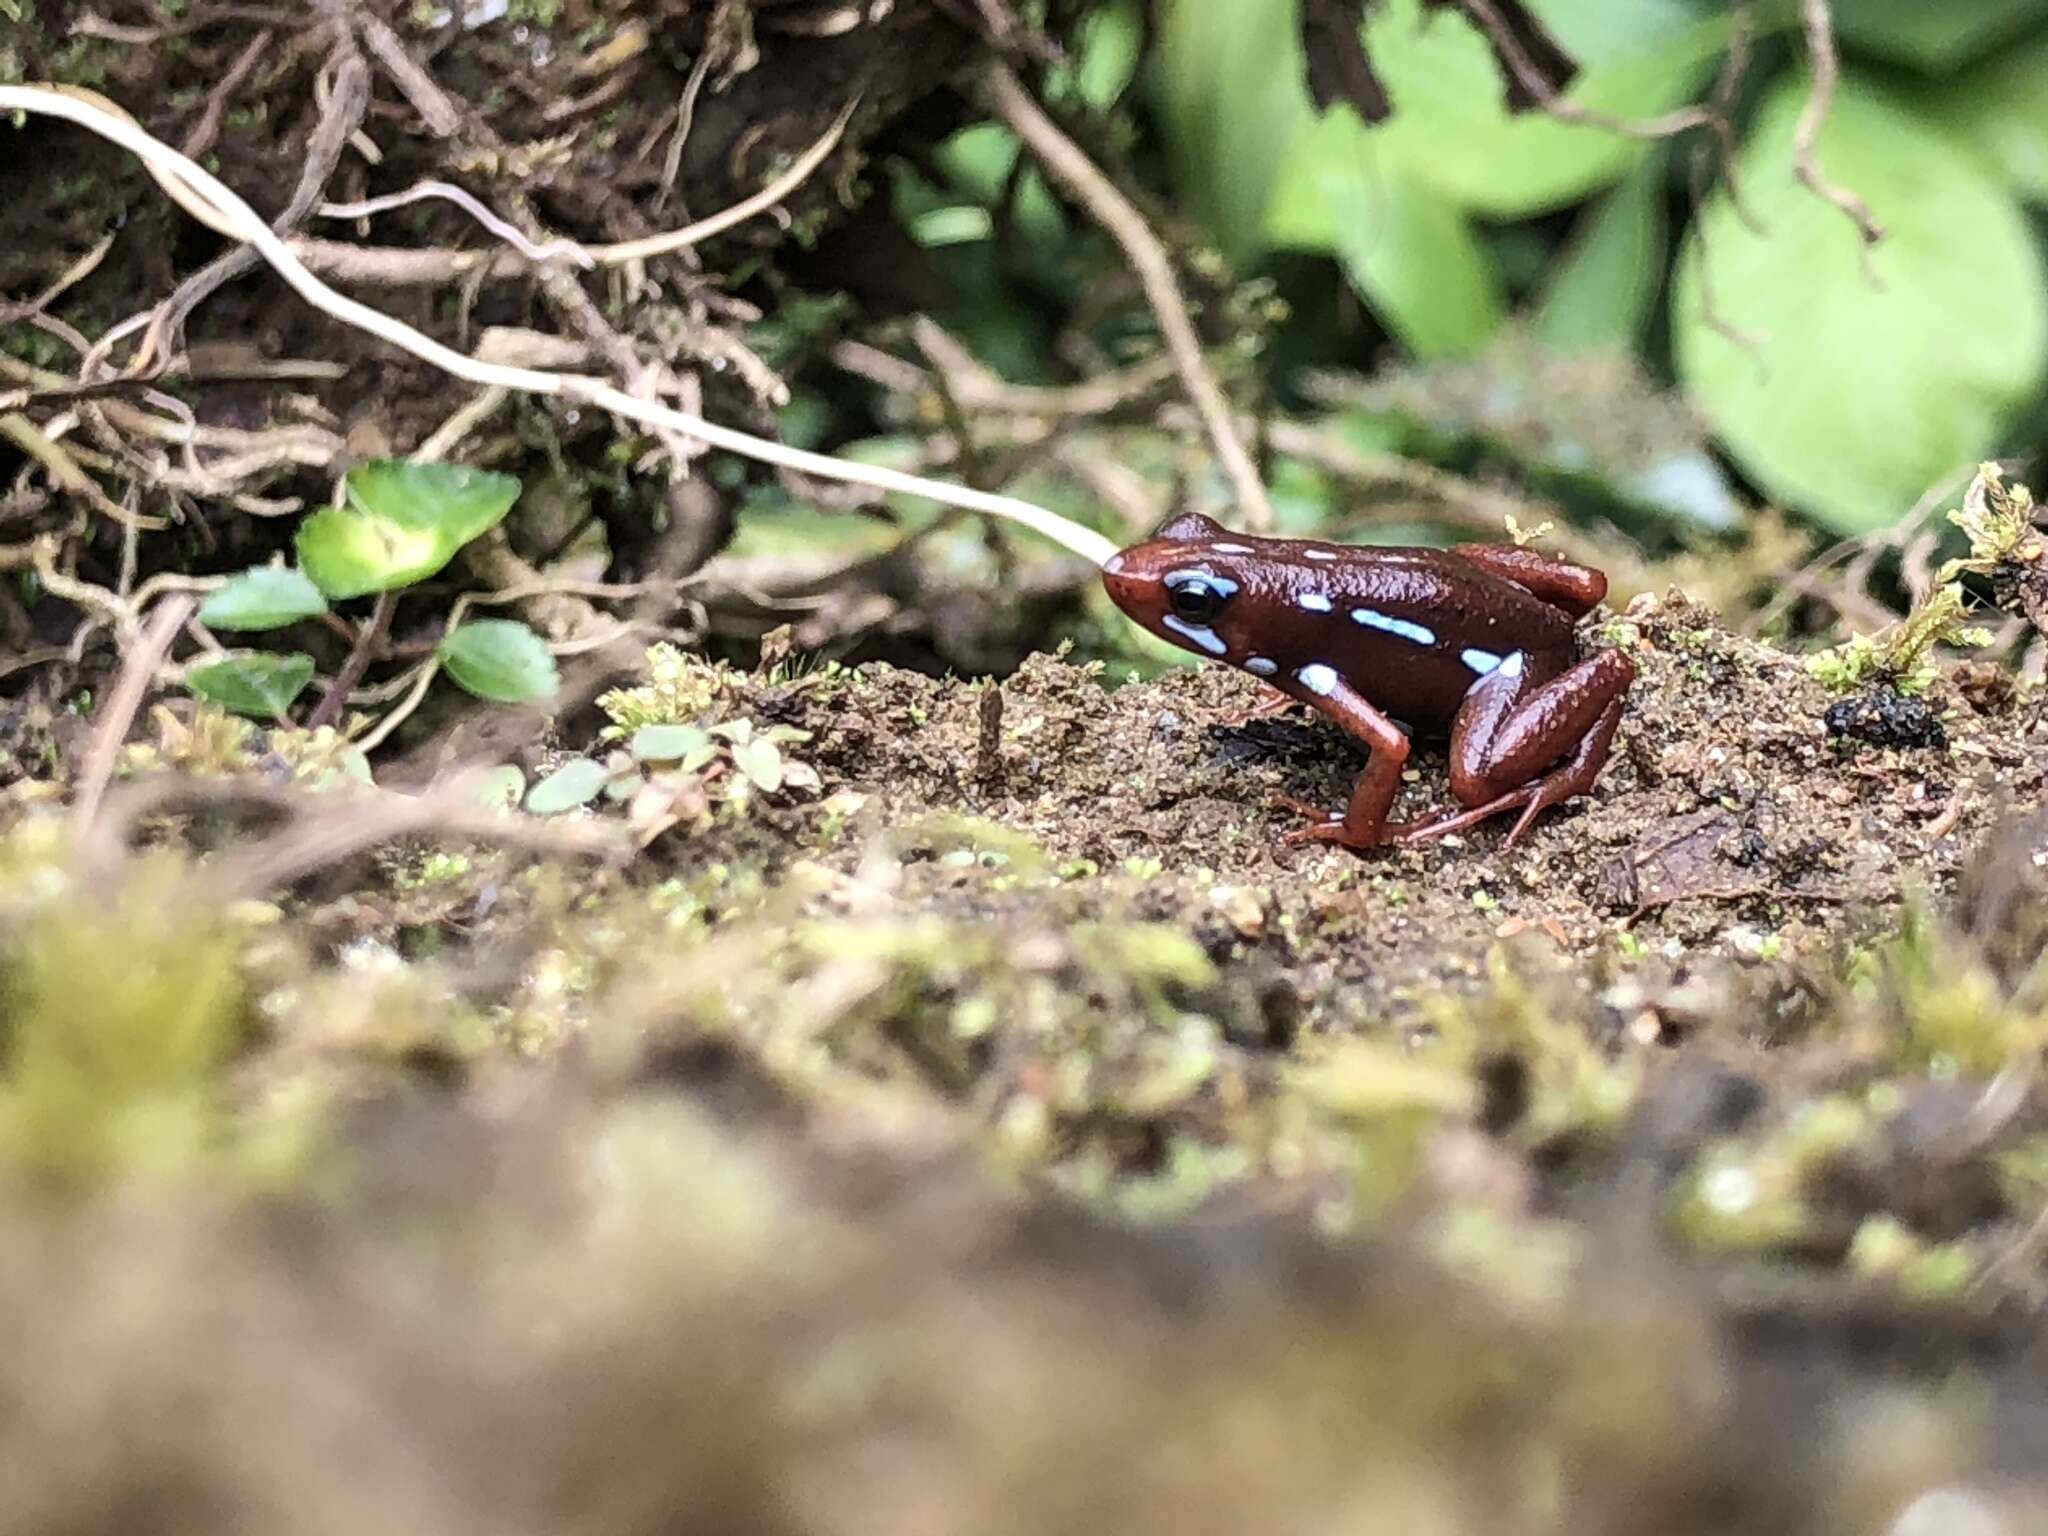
{"x":978,"y":1116}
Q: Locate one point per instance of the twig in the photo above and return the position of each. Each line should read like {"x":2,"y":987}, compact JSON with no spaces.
{"x":323,"y":828}
{"x":773,"y":193}
{"x":566,"y":250}
{"x":328,"y":710}
{"x":380,"y":733}
{"x":443,"y":439}
{"x":686,"y":117}
{"x":1818,"y":21}
{"x":117,"y":713}
{"x":1532,"y":79}
{"x":69,"y":278}
{"x":63,"y":469}
{"x":247,"y":225}
{"x":1113,"y":211}
{"x":207,"y":129}
{"x":403,"y":267}
{"x":977,"y":387}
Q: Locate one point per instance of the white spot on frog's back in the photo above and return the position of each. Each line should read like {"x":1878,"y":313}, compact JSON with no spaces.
{"x":1114,"y":565}
{"x":1231,"y":549}
{"x":1314,"y":602}
{"x":1319,"y":554}
{"x":1318,"y":679}
{"x":1386,"y":623}
{"x":1262,"y":666}
{"x":1481,"y":662}
{"x":1512,"y":667}
{"x":1198,"y":634}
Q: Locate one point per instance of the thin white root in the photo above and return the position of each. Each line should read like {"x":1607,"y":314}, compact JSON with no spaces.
{"x":233,"y":217}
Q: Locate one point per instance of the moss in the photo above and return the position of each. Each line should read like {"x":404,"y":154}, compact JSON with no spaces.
{"x":1900,"y":656}
{"x":1941,"y":1009}
{"x":123,"y":1015}
{"x":681,"y":689}
{"x":1759,"y":1194}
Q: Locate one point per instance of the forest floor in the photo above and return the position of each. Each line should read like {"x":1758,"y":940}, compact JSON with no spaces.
{"x":994,"y":1122}
{"x":925,"y":1102}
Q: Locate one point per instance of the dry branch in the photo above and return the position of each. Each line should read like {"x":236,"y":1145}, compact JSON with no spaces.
{"x":1063,"y":158}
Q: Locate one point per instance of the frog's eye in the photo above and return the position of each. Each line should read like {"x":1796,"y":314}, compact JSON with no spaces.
{"x":1197,"y":597}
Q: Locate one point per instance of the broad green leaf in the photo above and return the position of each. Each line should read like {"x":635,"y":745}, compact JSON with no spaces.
{"x":401,"y":523}
{"x":1855,"y":399}
{"x":1234,"y":103}
{"x":2002,"y":108}
{"x":669,"y":743}
{"x":1451,"y":128}
{"x":577,"y":782}
{"x":348,"y":555}
{"x":1599,"y":295}
{"x":453,"y":500}
{"x":1934,"y":35}
{"x":266,"y":597}
{"x":501,"y":660}
{"x":261,"y":684}
{"x":1409,"y":253}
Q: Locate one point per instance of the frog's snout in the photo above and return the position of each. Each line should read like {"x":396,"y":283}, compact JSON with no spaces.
{"x":1127,"y":588}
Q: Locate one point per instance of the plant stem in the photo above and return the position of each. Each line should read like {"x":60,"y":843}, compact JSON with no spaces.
{"x":328,"y":712}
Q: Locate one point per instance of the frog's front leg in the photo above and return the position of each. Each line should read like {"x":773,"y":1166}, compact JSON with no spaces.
{"x":1364,"y":822}
{"x":1271,"y":701}
{"x":1520,"y":741}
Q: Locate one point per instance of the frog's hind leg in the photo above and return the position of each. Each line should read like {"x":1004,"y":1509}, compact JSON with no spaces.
{"x":1523,"y":743}
{"x":1577,"y":589}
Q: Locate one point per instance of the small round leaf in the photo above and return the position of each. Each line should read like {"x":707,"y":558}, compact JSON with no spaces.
{"x":266,"y":597}
{"x":500,"y":787}
{"x":501,"y":660}
{"x":761,"y":761}
{"x":667,"y":743}
{"x":577,"y":782}
{"x":257,"y":683}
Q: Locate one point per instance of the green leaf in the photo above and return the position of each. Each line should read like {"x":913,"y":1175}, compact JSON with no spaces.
{"x":577,"y":782}
{"x":2000,"y":107}
{"x":501,"y":660}
{"x":452,"y":499}
{"x":1409,"y":253}
{"x":668,"y":743}
{"x":1230,"y":76}
{"x":266,"y":597}
{"x":500,"y":787}
{"x":401,"y":523}
{"x":1112,"y":41}
{"x":980,"y":160}
{"x":1856,"y":399}
{"x":257,"y":683}
{"x":1452,"y":130}
{"x":1934,"y":35}
{"x":1599,"y":295}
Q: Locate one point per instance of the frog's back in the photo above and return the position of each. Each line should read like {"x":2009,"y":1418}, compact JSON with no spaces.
{"x":1411,"y":629}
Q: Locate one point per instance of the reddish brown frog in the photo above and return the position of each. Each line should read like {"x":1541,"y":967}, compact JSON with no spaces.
{"x":1476,"y":641}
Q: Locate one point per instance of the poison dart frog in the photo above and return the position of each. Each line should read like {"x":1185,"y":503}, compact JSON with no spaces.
{"x":1477,"y":641}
